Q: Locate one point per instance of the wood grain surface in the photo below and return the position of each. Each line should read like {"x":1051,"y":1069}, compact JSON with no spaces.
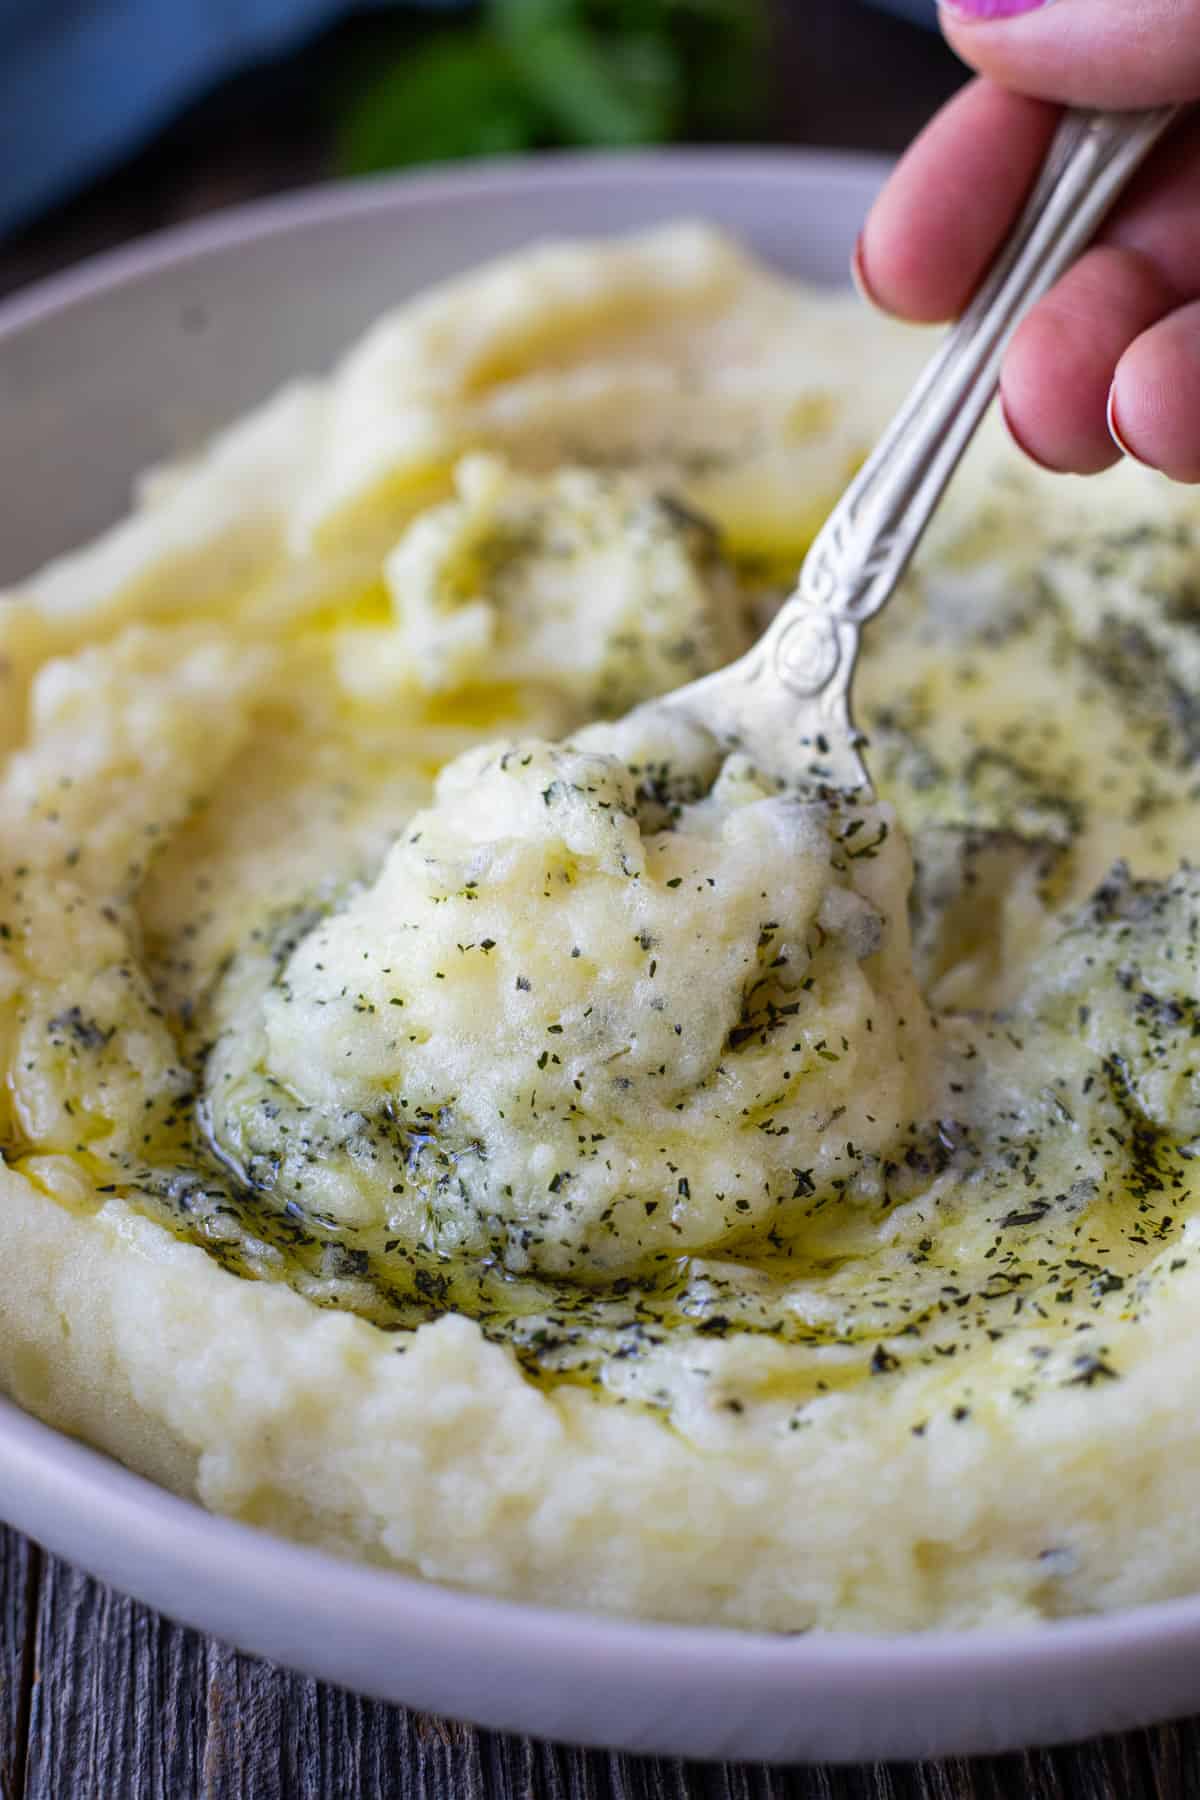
{"x":101,"y":1699}
{"x":19,"y":1568}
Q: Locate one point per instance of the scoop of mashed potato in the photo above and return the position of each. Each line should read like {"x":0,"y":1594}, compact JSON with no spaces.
{"x":607,"y":1000}
{"x":600,"y":586}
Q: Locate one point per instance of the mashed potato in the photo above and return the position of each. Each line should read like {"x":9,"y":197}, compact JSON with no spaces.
{"x":460,"y":1116}
{"x":660,"y":1021}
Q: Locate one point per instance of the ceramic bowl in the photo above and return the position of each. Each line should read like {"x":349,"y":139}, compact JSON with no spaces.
{"x":138,"y":356}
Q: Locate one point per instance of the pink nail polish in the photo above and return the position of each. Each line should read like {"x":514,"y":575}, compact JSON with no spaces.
{"x":991,"y":9}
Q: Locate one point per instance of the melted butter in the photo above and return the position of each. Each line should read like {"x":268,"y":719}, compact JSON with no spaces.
{"x":1019,"y":726}
{"x":364,"y":609}
{"x":933,"y":1281}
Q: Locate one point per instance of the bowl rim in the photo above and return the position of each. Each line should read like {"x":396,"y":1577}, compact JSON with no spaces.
{"x":44,"y":1472}
{"x":298,"y":209}
{"x":254,"y":1560}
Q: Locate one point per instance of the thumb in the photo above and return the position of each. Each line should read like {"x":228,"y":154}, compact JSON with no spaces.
{"x":1118,"y":53}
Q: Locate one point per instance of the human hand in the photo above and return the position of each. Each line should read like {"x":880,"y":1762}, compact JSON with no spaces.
{"x":1109,"y":361}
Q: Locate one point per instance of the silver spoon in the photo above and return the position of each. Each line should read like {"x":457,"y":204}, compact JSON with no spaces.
{"x":786,"y":703}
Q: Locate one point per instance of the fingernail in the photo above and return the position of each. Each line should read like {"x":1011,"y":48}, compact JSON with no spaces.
{"x":1114,"y":428}
{"x":858,"y":273}
{"x":991,"y":9}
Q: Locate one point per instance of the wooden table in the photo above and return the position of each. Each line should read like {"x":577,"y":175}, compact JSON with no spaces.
{"x":101,"y":1699}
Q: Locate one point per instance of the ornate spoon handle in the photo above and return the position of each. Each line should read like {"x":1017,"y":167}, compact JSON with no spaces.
{"x":865,"y":545}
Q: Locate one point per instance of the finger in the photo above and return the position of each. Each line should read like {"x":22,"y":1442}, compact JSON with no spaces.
{"x":1159,"y":217}
{"x":1061,"y":364}
{"x":950,"y":201}
{"x":1064,"y":356}
{"x":1082,"y":52}
{"x":1155,"y":403}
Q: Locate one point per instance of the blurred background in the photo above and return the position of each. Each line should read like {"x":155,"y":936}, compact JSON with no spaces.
{"x":120,"y":116}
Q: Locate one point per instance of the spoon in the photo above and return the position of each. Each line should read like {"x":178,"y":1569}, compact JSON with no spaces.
{"x":786,"y":703}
